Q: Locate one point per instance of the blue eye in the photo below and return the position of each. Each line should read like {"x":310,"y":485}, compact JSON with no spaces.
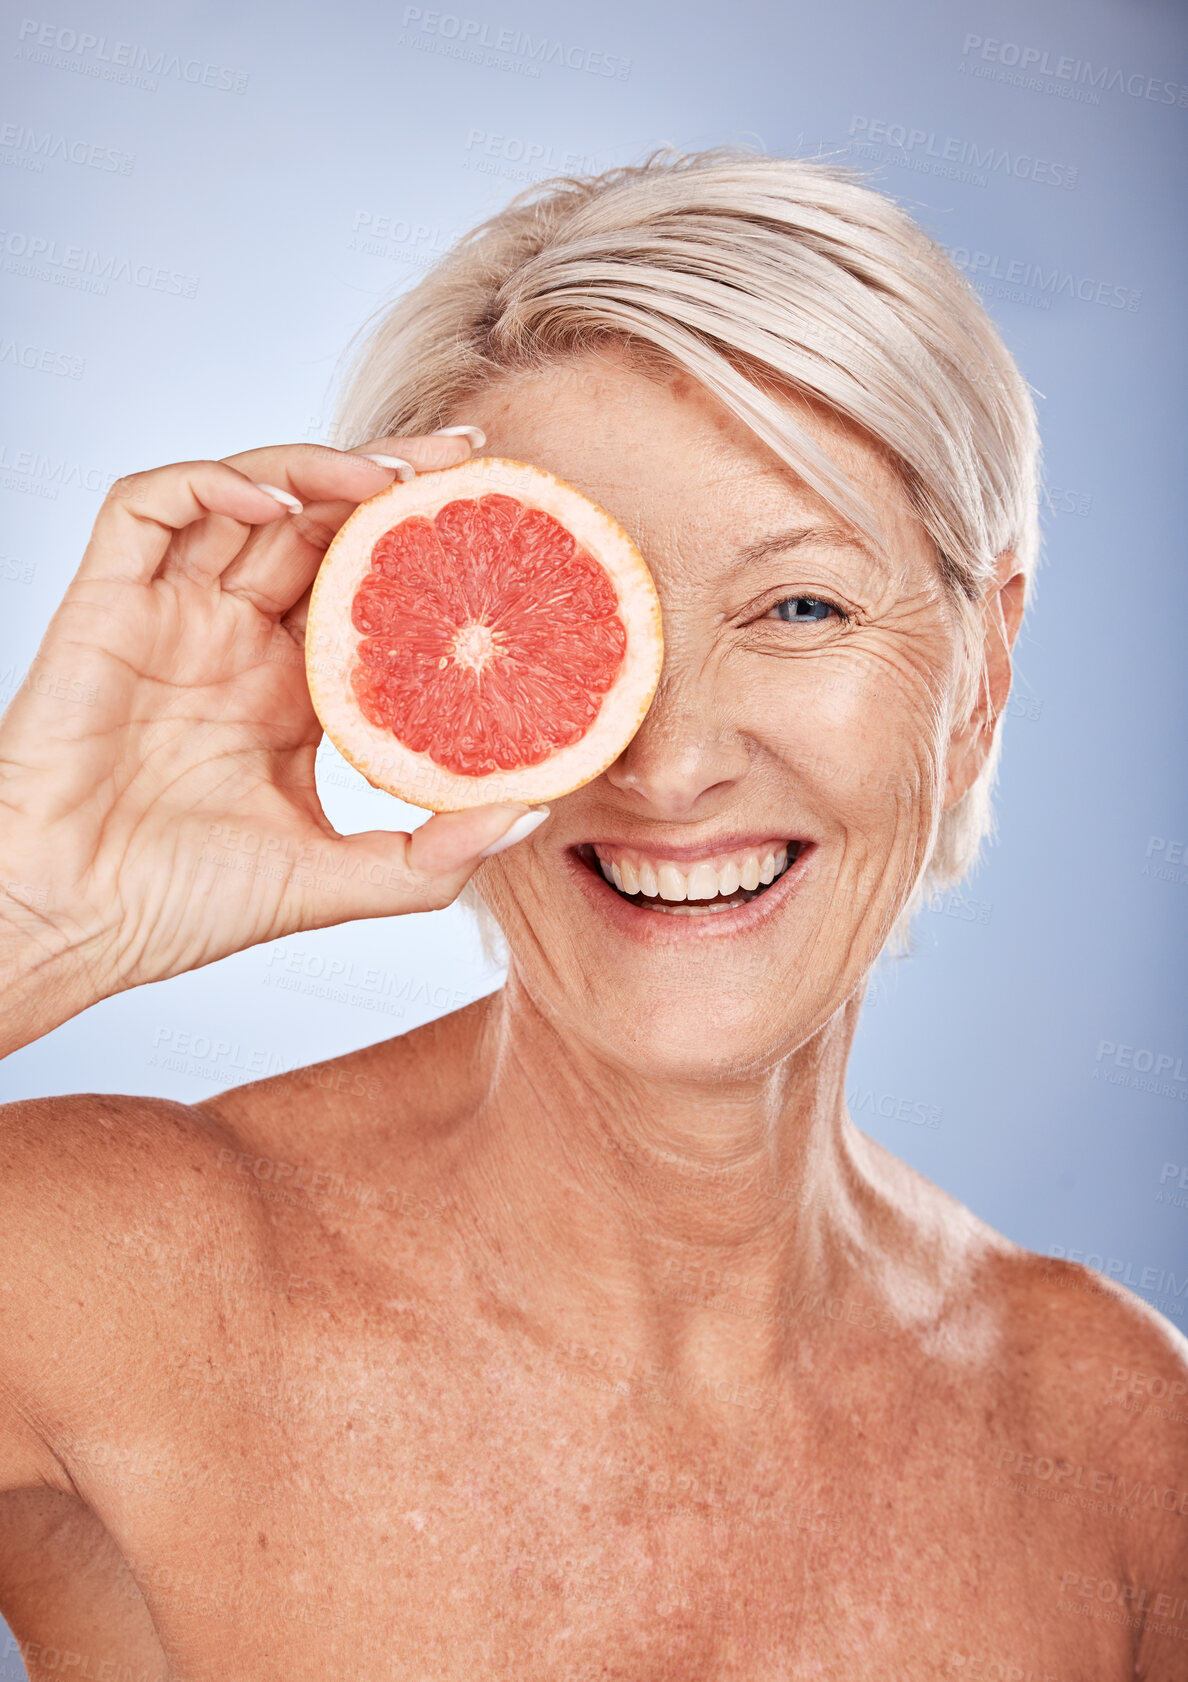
{"x":800,"y":610}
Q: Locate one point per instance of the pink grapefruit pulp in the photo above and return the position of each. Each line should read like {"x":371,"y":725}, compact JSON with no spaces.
{"x":482,"y":633}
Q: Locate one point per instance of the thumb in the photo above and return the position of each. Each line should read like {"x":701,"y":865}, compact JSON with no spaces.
{"x":453,"y":841}
{"x":381,"y":874}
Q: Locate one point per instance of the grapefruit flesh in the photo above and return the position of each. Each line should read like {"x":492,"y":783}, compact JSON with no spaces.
{"x":482,"y":633}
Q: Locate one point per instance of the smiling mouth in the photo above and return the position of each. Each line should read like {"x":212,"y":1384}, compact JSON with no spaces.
{"x":699,"y":893}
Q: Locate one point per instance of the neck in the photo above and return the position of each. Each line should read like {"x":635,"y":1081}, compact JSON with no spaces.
{"x":601,"y":1196}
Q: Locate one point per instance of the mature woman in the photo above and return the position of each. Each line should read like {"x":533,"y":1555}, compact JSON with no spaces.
{"x":638,"y":1359}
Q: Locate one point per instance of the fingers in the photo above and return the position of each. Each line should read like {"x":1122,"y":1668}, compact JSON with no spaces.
{"x":454,"y":841}
{"x":427,"y":454}
{"x":276,"y":565}
{"x":144,"y":512}
{"x":317,"y":473}
{"x":386,"y":874}
{"x":145,"y":515}
{"x":148,"y":518}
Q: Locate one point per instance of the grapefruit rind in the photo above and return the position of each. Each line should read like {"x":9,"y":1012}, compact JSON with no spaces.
{"x":331,"y":642}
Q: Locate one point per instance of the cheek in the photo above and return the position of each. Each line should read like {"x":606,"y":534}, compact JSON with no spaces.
{"x":862,"y":737}
{"x":521,"y":893}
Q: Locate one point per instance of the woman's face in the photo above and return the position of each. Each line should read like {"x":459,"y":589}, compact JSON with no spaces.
{"x":804,"y":704}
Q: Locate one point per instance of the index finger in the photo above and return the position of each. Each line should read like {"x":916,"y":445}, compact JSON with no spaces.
{"x":143,"y":513}
{"x":320,"y":473}
{"x":275,"y":566}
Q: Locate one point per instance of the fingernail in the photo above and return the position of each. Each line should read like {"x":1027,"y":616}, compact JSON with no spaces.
{"x":283,"y":497}
{"x":475,"y":433}
{"x":523,"y":826}
{"x":404,"y":470}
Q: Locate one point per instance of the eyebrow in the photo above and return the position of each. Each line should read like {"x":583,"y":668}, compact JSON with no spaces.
{"x":796,"y":537}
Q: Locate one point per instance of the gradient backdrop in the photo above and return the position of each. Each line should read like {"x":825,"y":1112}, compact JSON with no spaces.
{"x":205,"y":202}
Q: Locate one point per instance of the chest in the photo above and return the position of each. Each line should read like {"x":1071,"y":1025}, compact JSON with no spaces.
{"x":421,"y":1503}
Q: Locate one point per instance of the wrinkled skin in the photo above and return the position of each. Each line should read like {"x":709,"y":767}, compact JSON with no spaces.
{"x":640,"y":1360}
{"x":833,"y":732}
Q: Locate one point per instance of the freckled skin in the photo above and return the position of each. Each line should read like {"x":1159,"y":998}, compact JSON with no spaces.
{"x":580,"y":1333}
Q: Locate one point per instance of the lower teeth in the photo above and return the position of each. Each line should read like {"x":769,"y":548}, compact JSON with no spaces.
{"x":679,"y":910}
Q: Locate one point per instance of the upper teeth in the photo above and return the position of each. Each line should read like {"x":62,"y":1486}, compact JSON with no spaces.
{"x":662,"y":878}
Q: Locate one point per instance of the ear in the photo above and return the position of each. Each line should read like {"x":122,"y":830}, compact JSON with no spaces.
{"x":1002,"y":614}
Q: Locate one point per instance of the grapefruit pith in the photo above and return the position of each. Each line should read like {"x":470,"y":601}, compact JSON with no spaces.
{"x":481,"y":633}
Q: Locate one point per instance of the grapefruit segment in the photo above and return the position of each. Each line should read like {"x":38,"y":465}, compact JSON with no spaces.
{"x":482,"y":633}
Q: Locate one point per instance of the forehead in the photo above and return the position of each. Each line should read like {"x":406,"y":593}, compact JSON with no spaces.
{"x":676,"y":467}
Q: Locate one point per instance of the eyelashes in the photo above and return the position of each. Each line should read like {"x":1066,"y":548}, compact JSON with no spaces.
{"x":806,"y":610}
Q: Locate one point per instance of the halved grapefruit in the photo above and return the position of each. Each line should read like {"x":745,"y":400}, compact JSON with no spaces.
{"x":481,"y":633}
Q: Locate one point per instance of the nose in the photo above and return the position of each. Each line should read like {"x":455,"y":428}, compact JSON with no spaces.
{"x":685,"y":757}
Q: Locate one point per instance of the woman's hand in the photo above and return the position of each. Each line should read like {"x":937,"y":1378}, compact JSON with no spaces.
{"x":157,"y":798}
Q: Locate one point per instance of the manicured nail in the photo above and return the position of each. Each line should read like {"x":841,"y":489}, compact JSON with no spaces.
{"x":283,"y":497}
{"x":475,"y":433}
{"x":404,"y":470}
{"x":523,"y":826}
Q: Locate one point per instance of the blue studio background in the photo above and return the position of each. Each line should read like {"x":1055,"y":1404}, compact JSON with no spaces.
{"x":247,"y":184}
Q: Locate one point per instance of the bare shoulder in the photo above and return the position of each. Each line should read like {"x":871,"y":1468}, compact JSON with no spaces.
{"x":1083,"y":1352}
{"x":112,"y":1208}
{"x":1104,"y":1381}
{"x":1086,"y":1367}
{"x":1088,"y":1300}
{"x":1095,"y":1357}
{"x":1082,"y":1408}
{"x":73,"y":1170}
{"x":142,"y":1236}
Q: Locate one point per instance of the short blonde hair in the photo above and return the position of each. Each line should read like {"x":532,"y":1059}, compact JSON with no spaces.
{"x":752,"y":274}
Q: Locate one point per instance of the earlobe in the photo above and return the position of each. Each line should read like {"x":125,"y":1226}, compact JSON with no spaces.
{"x":965,"y":760}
